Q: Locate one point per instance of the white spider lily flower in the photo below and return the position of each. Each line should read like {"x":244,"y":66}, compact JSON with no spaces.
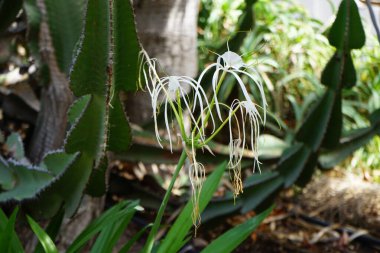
{"x":249,"y":113}
{"x":232,"y":63}
{"x":172,"y":91}
{"x":167,"y":90}
{"x":148,"y":70}
{"x":234,"y":165}
{"x":197,"y":176}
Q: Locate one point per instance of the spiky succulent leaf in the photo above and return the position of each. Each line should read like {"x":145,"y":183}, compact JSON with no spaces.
{"x":15,"y":146}
{"x":124,"y":73}
{"x":29,"y":181}
{"x":347,"y":30}
{"x":7,"y":180}
{"x":314,"y":128}
{"x":89,"y":73}
{"x":87,"y":135}
{"x":65,"y":21}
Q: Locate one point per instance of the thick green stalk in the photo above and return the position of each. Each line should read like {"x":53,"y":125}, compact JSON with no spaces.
{"x":149,"y":244}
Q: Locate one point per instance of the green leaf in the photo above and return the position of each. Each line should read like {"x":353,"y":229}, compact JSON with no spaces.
{"x":109,"y":235}
{"x":87,"y":135}
{"x":308,"y":170}
{"x":270,"y":146}
{"x":76,"y":176}
{"x":179,"y":230}
{"x":119,"y":131}
{"x":314,"y":128}
{"x":349,"y":72}
{"x":65,"y":21}
{"x":375,"y":117}
{"x":89,"y":73}
{"x":220,"y":207}
{"x":53,"y":198}
{"x":15,"y":146}
{"x":254,"y":196}
{"x":43,"y":237}
{"x":97,"y":185}
{"x":58,"y":161}
{"x":111,"y":216}
{"x":7,"y":180}
{"x":126,"y":47}
{"x":292,"y":167}
{"x":9,"y":241}
{"x":256,"y":179}
{"x":29,"y":181}
{"x":52,"y":229}
{"x":135,"y":237}
{"x":226,"y":205}
{"x":50,"y":198}
{"x":235,"y":236}
{"x":33,"y":17}
{"x":8,"y":12}
{"x":331,"y":157}
{"x":77,"y":108}
{"x":334,"y":128}
{"x":331,"y":75}
{"x":125,"y":73}
{"x":245,"y":23}
{"x":90,"y":142}
{"x":347,"y":31}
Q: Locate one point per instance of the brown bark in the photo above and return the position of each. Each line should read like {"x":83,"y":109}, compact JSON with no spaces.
{"x":50,"y":129}
{"x":167,"y":30}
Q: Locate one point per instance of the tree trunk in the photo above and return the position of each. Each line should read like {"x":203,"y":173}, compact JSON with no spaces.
{"x":168,"y":31}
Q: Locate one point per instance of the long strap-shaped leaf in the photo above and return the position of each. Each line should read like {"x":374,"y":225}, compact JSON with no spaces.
{"x":9,"y":241}
{"x":234,"y":237}
{"x":45,"y":240}
{"x":175,"y":238}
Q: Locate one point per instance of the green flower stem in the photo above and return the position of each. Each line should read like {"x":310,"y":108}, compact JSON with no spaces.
{"x":212,"y":104}
{"x":176,"y":114}
{"x":184,"y":137}
{"x":220,"y":127}
{"x":149,"y":244}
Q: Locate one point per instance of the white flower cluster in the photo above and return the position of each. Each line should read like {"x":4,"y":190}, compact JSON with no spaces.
{"x":172,"y":93}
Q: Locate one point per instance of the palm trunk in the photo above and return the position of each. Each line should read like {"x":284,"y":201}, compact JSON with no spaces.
{"x":168,"y":31}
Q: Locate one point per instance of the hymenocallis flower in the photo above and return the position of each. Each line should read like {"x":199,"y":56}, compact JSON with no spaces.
{"x":197,"y":176}
{"x":177,"y":94}
{"x":172,"y":92}
{"x":232,"y":63}
{"x":249,"y":115}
